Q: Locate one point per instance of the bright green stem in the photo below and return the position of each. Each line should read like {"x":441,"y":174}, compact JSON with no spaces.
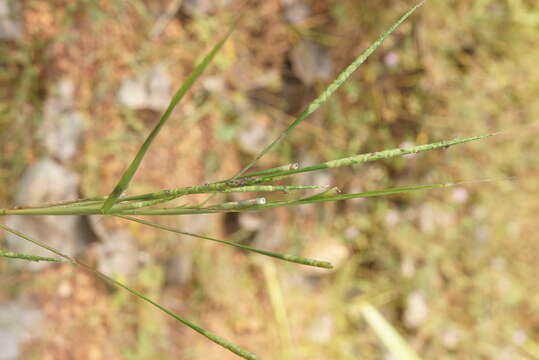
{"x":324,"y":197}
{"x":8,"y":254}
{"x":38,"y":243}
{"x":247,"y":183}
{"x":131,"y":170}
{"x":287,"y":170}
{"x":379,"y":155}
{"x":245,"y":205}
{"x":285,"y":257}
{"x":213,"y":337}
{"x":326,"y":94}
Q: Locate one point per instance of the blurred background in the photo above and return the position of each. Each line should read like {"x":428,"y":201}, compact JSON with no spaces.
{"x":454,"y":271}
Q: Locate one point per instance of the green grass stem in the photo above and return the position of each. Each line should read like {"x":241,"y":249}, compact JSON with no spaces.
{"x":285,"y":257}
{"x":208,"y":334}
{"x":186,"y":86}
{"x":12,"y":255}
{"x":326,"y":94}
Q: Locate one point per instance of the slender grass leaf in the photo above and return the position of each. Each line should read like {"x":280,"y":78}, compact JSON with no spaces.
{"x":186,"y":86}
{"x":213,"y":337}
{"x":37,"y":242}
{"x":367,"y":157}
{"x":12,"y":255}
{"x":292,"y":169}
{"x":326,"y":94}
{"x":252,"y":206}
{"x":244,"y":205}
{"x":285,"y":257}
{"x":246,"y":183}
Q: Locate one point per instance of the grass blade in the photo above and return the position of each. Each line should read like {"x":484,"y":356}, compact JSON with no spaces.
{"x":387,"y":333}
{"x":367,"y":157}
{"x":245,"y":183}
{"x":326,"y":94}
{"x":243,"y":205}
{"x":213,"y":337}
{"x":9,"y":254}
{"x":258,"y":204}
{"x":285,"y":257}
{"x":186,"y":86}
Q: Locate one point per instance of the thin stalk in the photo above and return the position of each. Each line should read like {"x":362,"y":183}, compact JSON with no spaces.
{"x":328,"y":92}
{"x":12,"y":255}
{"x":186,"y":86}
{"x":246,"y":183}
{"x":213,"y":337}
{"x":374,"y":156}
{"x":268,"y":205}
{"x":244,"y":205}
{"x":285,"y":257}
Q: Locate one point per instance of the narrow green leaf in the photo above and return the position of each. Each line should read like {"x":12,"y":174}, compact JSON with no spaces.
{"x":36,"y":242}
{"x":285,"y":257}
{"x":131,"y":170}
{"x":258,"y":204}
{"x":213,"y":337}
{"x":374,"y":156}
{"x":12,"y":255}
{"x":387,"y":334}
{"x":326,"y":94}
{"x":245,"y":183}
{"x":208,"y":334}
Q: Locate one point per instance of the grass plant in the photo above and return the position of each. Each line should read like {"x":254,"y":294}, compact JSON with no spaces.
{"x":270,"y":180}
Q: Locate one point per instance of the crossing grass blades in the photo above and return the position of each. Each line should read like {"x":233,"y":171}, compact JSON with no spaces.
{"x":130,"y":207}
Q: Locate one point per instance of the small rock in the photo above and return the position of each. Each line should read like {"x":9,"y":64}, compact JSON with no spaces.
{"x":43,"y":182}
{"x":10,"y":22}
{"x":392,"y":218}
{"x":269,"y":237}
{"x":118,"y":255}
{"x":251,"y":221}
{"x":62,"y":124}
{"x":311,"y":62}
{"x":62,"y":134}
{"x":133,"y":93}
{"x":520,"y":337}
{"x":10,"y":345}
{"x":179,"y":270}
{"x":322,"y":329}
{"x":295,"y":11}
{"x":204,"y":7}
{"x":460,"y":195}
{"x":214,"y":84}
{"x":20,"y":322}
{"x":150,"y":90}
{"x":416,"y":311}
{"x":254,"y":134}
{"x":351,"y":233}
{"x":392,"y":59}
{"x":198,"y":7}
{"x":451,"y":338}
{"x":159,"y":85}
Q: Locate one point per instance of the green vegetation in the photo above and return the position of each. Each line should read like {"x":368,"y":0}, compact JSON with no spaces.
{"x":380,"y":261}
